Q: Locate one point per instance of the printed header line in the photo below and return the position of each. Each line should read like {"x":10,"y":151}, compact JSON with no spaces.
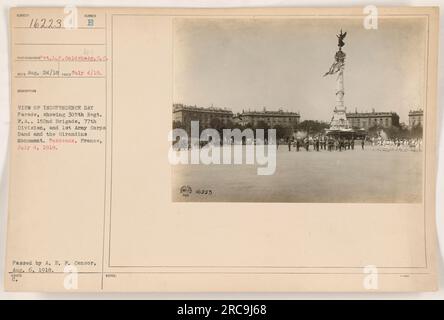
{"x":56,"y":77}
{"x":32,"y":28}
{"x":42,"y":60}
{"x":58,"y":44}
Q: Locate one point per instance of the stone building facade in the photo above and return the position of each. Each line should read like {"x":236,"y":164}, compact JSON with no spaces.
{"x":416,"y":118}
{"x":366,"y":120}
{"x":271,"y":118}
{"x":206,"y":116}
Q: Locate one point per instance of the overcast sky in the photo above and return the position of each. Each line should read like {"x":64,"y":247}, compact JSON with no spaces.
{"x":249,"y":63}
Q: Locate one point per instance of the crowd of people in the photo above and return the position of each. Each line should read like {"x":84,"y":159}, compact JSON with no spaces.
{"x":318,"y":143}
{"x":399,"y":144}
{"x":323,"y":142}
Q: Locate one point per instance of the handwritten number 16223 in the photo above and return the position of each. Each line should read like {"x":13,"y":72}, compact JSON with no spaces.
{"x":45,"y":23}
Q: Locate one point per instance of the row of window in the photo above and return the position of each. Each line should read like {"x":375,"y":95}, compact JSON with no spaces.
{"x":375,"y":121}
{"x":280,"y":119}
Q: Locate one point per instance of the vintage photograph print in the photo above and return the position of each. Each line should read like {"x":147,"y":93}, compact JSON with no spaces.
{"x":299,"y":109}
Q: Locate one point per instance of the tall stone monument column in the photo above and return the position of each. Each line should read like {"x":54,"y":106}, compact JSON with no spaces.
{"x":339,"y":120}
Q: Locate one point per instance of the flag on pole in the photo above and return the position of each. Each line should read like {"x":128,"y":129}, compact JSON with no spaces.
{"x":335,"y":67}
